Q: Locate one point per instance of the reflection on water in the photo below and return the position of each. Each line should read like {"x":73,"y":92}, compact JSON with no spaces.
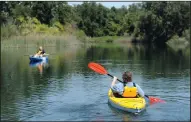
{"x":64,"y":88}
{"x":39,"y":64}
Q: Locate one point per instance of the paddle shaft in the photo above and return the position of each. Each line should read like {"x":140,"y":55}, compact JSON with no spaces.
{"x":112,"y":77}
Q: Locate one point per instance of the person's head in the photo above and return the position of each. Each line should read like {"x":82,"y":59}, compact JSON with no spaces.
{"x":127,"y":76}
{"x":40,"y":48}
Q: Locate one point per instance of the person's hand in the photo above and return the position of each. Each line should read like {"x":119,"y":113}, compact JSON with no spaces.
{"x":114,"y":78}
{"x":114,"y":81}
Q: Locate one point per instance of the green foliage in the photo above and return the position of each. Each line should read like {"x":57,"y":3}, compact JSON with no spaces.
{"x":59,"y":26}
{"x":35,"y":21}
{"x":150,"y":26}
{"x":109,"y":40}
{"x":105,"y":38}
{"x":42,"y":28}
{"x":81,"y":35}
{"x":8,"y":31}
{"x":178,"y":43}
{"x":42,"y":11}
{"x":151,"y":22}
{"x":4,"y":17}
{"x":21,"y":10}
{"x":186,"y":34}
{"x":93,"y":18}
{"x":53,"y":30}
{"x":163,"y":20}
{"x":64,"y":13}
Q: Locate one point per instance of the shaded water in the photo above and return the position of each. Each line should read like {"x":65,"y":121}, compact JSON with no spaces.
{"x":65,"y":89}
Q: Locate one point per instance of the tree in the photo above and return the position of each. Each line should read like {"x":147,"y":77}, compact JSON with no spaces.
{"x":43,"y":11}
{"x":163,"y":20}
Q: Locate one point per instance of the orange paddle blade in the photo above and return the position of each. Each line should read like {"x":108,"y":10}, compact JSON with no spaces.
{"x":155,"y":100}
{"x":97,"y":68}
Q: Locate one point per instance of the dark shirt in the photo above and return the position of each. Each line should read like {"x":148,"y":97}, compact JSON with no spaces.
{"x":43,"y":52}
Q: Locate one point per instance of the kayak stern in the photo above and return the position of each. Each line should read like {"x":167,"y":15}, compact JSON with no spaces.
{"x":133,"y":105}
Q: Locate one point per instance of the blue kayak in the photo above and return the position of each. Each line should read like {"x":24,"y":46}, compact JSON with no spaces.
{"x":37,"y":59}
{"x":36,"y":63}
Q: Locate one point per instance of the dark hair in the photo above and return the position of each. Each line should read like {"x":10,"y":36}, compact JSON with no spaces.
{"x":127,"y":76}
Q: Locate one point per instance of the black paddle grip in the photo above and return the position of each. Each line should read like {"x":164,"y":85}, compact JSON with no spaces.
{"x":117,"y":79}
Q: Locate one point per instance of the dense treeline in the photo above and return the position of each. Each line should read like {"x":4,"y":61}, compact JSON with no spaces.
{"x":45,"y":12}
{"x":147,"y":21}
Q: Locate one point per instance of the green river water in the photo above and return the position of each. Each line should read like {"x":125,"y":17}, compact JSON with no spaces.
{"x":64,"y":88}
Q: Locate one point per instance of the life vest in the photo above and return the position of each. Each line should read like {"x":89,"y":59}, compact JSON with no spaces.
{"x":130,"y":91}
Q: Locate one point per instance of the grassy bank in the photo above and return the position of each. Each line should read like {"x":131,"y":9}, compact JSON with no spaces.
{"x":34,"y":40}
{"x":112,"y":39}
{"x":30,"y":32}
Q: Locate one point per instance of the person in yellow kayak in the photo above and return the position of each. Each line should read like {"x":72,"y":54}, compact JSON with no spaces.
{"x":126,"y":89}
{"x":40,"y":52}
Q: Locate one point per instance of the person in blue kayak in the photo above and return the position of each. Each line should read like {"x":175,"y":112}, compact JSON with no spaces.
{"x":40,"y":52}
{"x":128,"y":88}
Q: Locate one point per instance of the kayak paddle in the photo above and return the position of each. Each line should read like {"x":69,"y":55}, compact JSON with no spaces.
{"x":101,"y":70}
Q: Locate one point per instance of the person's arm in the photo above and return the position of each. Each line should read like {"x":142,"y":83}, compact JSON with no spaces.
{"x":140,"y":91}
{"x":114,"y":81}
{"x":116,"y":88}
{"x":39,"y":52}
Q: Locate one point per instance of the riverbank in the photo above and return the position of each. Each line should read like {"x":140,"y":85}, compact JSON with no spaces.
{"x":41,"y":39}
{"x":31,"y":32}
{"x":70,"y":36}
{"x":77,"y":38}
{"x":112,"y":39}
{"x":36,"y":34}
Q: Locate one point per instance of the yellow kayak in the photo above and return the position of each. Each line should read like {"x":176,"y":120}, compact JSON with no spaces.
{"x":134,"y":105}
